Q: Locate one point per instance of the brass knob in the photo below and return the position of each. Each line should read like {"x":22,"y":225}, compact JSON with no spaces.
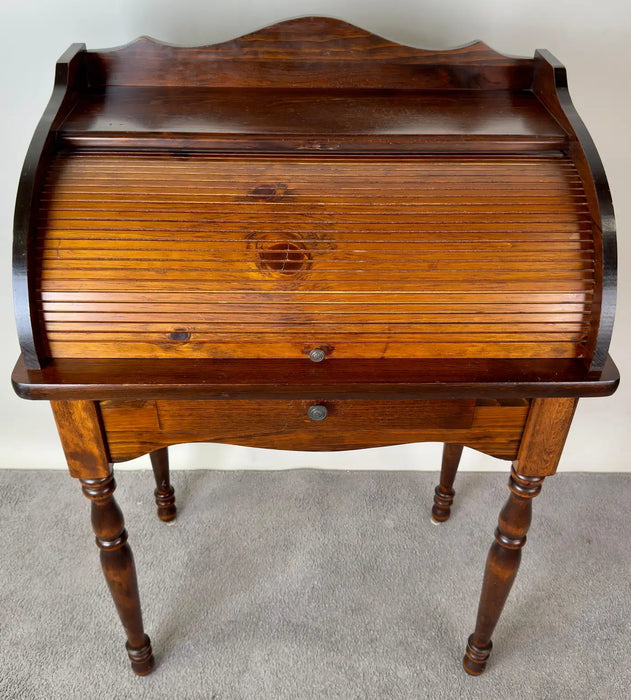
{"x":317,"y":355}
{"x":317,"y":412}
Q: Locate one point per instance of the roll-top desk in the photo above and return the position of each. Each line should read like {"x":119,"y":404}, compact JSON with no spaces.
{"x":312,"y":238}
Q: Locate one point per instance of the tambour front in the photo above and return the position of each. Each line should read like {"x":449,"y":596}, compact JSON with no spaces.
{"x":157,"y":255}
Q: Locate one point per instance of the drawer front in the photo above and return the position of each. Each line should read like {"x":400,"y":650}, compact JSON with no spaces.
{"x":134,"y":428}
{"x":149,"y":255}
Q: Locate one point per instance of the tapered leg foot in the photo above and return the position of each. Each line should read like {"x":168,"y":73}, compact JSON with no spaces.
{"x":501,"y":567}
{"x":142,"y":661}
{"x":475,"y":658}
{"x":444,"y":492}
{"x":164,"y":493}
{"x":117,"y":562}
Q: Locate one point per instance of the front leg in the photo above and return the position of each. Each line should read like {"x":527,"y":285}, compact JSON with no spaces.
{"x":539,"y":453}
{"x":84,"y":442}
{"x":119,"y":569}
{"x":501,"y":567}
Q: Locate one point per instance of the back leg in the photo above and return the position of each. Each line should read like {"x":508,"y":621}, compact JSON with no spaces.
{"x":164,"y":493}
{"x":444,"y":492}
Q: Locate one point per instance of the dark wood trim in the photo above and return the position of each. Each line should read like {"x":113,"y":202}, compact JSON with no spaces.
{"x":228,"y":144}
{"x":300,"y":379}
{"x":164,"y":492}
{"x":308,"y":52}
{"x":444,"y":493}
{"x":68,"y":77}
{"x":502,"y":565}
{"x":550,"y":86}
{"x":119,"y":569}
{"x":320,"y":120}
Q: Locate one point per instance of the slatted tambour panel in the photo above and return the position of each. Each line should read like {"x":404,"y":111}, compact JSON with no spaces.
{"x":158,"y":255}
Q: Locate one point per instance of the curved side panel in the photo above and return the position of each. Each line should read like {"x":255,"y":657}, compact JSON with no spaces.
{"x":550,"y":86}
{"x":67,"y":76}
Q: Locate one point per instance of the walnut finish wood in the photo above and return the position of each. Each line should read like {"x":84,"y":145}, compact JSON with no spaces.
{"x":68,"y":77}
{"x":81,"y":434}
{"x":192,"y":223}
{"x":361,"y":120}
{"x":501,"y":567}
{"x":550,"y":86}
{"x":368,"y":258}
{"x":444,"y":492}
{"x":546,"y":430}
{"x":119,"y":569}
{"x":301,"y":379}
{"x":164,"y":493}
{"x":135,"y":428}
{"x":117,"y":79}
{"x":308,"y":52}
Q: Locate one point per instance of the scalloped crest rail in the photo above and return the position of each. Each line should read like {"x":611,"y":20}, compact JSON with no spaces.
{"x":194,"y":226}
{"x":307,"y":53}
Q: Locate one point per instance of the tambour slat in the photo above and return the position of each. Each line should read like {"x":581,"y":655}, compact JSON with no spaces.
{"x":155,"y":255}
{"x":447,"y":299}
{"x":217,"y":269}
{"x":413,"y":231}
{"x":355,"y":255}
{"x":336,"y":333}
{"x":348,"y":350}
{"x":174,"y":286}
{"x":78,"y":323}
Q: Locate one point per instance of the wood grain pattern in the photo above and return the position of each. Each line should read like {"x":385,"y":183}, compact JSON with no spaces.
{"x":81,"y":435}
{"x":298,"y":379}
{"x":147,"y":256}
{"x":134,"y":428}
{"x":546,"y":431}
{"x":311,"y":120}
{"x":308,"y":52}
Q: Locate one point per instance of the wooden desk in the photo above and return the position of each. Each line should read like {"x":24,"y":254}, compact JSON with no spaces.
{"x":312,"y":238}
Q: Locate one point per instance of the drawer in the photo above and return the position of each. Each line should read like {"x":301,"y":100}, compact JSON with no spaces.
{"x":134,"y":428}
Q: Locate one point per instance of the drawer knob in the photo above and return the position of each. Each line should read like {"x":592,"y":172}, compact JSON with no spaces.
{"x":317,"y":412}
{"x":317,"y":355}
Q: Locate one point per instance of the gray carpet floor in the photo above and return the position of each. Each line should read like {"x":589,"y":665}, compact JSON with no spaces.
{"x":315,"y":584}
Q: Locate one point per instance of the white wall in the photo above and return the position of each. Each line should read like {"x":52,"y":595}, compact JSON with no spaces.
{"x":593,"y":39}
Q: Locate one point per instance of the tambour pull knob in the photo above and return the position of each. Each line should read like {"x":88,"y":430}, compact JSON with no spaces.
{"x":317,"y":412}
{"x":317,"y":355}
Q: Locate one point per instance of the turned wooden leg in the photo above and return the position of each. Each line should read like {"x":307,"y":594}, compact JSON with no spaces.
{"x":118,"y":566}
{"x":501,"y":567}
{"x":444,"y":492}
{"x":164,"y":493}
